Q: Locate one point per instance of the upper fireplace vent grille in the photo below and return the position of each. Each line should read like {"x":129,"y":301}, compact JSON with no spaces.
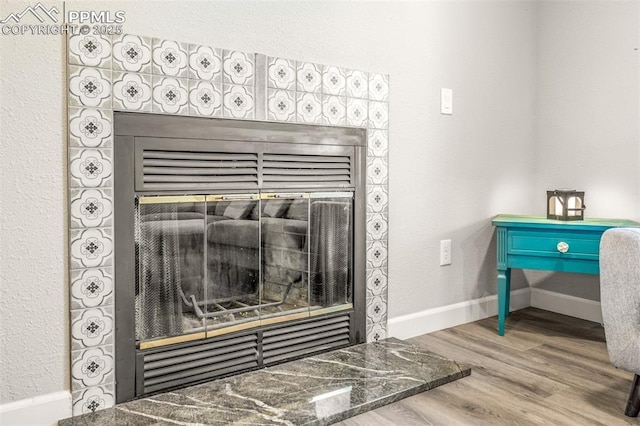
{"x":194,"y":165}
{"x":198,"y":170}
{"x":311,"y":170}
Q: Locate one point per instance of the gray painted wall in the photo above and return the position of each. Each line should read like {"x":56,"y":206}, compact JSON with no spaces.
{"x":449,"y":174}
{"x":588,"y":115}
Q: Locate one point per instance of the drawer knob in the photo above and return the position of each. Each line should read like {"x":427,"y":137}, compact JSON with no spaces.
{"x":562,"y":247}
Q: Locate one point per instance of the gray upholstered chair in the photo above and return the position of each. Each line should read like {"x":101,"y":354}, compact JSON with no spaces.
{"x":620,"y":295}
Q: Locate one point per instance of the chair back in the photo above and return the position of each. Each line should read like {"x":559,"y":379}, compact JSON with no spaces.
{"x":620,"y":295}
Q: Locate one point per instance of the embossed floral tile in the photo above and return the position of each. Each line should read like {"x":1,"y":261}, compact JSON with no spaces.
{"x":90,"y":50}
{"x":91,"y":288}
{"x":132,"y":53}
{"x":309,"y":77}
{"x":281,"y":105}
{"x":205,"y":63}
{"x":334,"y":110}
{"x":91,"y":327}
{"x":89,"y":87}
{"x":238,"y":67}
{"x":170,"y":58}
{"x":281,"y":74}
{"x":205,"y":98}
{"x":132,"y":91}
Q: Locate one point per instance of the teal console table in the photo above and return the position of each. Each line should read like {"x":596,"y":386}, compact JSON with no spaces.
{"x":534,"y":242}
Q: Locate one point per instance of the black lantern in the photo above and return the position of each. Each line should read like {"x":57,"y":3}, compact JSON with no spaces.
{"x":565,"y":204}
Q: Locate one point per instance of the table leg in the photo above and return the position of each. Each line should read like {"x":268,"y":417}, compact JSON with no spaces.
{"x":504,"y":290}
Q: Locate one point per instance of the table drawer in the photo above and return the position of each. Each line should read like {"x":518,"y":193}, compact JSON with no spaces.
{"x":567,"y":244}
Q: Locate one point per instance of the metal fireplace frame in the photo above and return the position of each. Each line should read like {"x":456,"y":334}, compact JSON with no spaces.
{"x":129,"y":126}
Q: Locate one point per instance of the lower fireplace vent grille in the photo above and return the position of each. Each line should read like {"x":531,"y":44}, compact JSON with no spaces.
{"x":188,"y":363}
{"x":196,"y":362}
{"x":303,"y":339}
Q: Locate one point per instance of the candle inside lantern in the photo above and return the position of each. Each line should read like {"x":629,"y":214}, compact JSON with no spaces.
{"x":558,"y":209}
{"x":572,"y":206}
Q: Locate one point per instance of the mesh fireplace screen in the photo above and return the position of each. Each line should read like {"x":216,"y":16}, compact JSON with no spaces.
{"x":330,"y":252}
{"x":207,"y":262}
{"x":170,"y":248}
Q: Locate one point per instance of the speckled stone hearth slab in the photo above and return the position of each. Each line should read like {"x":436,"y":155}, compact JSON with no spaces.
{"x":313,"y":391}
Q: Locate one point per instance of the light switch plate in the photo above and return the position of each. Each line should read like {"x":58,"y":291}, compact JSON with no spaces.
{"x":446,"y":101}
{"x":445,"y":252}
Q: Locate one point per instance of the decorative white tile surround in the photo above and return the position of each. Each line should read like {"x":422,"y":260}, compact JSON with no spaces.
{"x":136,"y":73}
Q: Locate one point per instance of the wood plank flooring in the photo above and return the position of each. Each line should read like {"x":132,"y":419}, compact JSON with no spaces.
{"x":548,"y":369}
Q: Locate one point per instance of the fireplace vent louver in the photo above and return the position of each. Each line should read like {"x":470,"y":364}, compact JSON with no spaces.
{"x":298,"y":340}
{"x":193,"y":362}
{"x":197,"y":362}
{"x":180,"y":170}
{"x":306,"y":170}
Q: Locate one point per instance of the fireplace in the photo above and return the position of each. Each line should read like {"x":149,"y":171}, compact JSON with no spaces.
{"x":238,"y":245}
{"x":186,"y":81}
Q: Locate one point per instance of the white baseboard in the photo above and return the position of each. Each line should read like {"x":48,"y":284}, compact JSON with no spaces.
{"x":44,"y":410}
{"x":567,"y":305}
{"x":430,"y":320}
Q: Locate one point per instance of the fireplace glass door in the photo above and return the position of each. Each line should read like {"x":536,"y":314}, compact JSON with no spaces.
{"x":208,"y":264}
{"x":170,"y":250}
{"x":285,"y":274}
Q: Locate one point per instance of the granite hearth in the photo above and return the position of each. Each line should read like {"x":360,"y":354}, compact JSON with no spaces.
{"x":319,"y":390}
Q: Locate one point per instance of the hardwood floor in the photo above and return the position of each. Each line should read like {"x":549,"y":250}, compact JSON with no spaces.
{"x":548,"y":369}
